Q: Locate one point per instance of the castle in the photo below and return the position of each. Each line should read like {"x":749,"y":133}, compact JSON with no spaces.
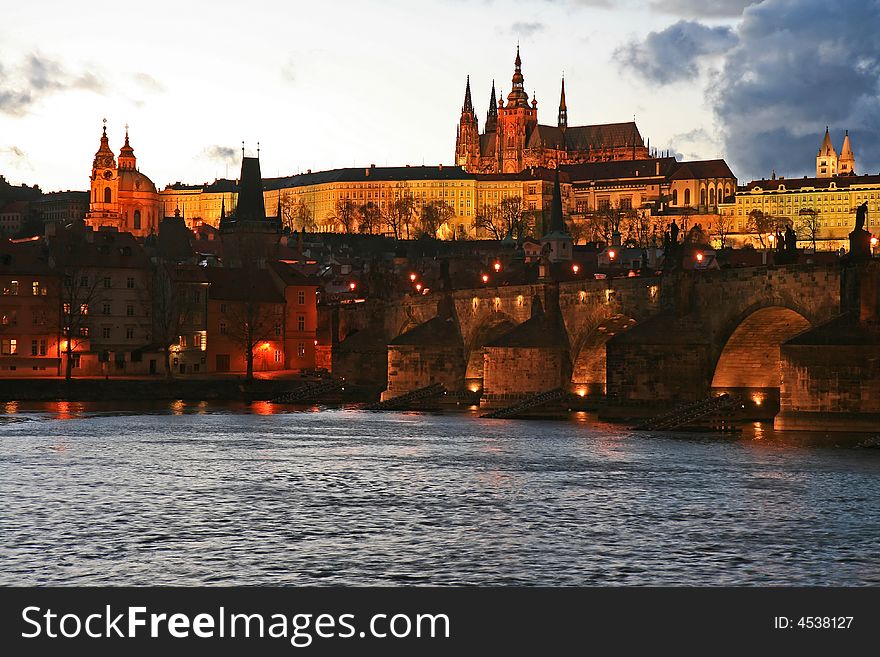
{"x":513,"y":140}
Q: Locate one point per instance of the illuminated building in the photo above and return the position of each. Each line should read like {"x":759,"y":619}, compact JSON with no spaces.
{"x":514,"y":140}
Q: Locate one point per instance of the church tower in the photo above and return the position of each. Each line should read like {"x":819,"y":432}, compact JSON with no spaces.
{"x":104,"y":199}
{"x":516,"y":120}
{"x":846,"y":164}
{"x":467,"y":141}
{"x":127,"y":159}
{"x":826,"y":160}
{"x":492,"y":114}
{"x":563,"y":110}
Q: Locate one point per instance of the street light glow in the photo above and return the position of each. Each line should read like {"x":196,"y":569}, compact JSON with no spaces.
{"x":485,"y":278}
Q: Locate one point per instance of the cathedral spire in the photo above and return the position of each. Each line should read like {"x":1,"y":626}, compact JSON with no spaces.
{"x":563,"y":110}
{"x":468,"y":106}
{"x":127,"y":159}
{"x":518,"y":96}
{"x":104,"y":157}
{"x":847,"y":161}
{"x":492,"y":114}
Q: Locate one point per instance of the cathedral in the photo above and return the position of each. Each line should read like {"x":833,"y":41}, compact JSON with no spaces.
{"x":121,"y":196}
{"x":513,"y":140}
{"x":829,"y":163}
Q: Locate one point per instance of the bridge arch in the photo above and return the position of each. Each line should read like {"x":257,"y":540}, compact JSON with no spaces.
{"x":589,"y":354}
{"x":749,"y":360}
{"x":491,"y":326}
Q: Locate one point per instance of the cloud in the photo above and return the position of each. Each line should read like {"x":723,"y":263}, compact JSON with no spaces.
{"x":526,"y":29}
{"x":15,"y":157}
{"x":149,"y":83}
{"x":223,"y":154}
{"x":702,"y":8}
{"x":798,"y":67}
{"x":673,"y":54}
{"x":36,"y":77}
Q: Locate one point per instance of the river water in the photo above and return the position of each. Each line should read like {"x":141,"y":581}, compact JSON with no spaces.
{"x":190,"y":494}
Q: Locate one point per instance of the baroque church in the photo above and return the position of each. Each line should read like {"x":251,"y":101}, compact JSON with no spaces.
{"x":121,"y":197}
{"x":513,"y":140}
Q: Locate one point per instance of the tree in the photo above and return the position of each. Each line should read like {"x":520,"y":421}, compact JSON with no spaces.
{"x":722,"y":228}
{"x":808,"y":225}
{"x":434,"y":214}
{"x":370,"y":218}
{"x":636,"y":227}
{"x":761,"y":225}
{"x":345,"y":214}
{"x":513,"y":216}
{"x":397,"y":215}
{"x":173,"y":307}
{"x":295,"y":213}
{"x":491,"y":220}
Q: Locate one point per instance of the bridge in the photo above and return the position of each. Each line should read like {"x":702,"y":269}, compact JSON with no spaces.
{"x":627,"y":342}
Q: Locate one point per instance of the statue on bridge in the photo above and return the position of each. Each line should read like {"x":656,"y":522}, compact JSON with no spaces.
{"x":791,"y":243}
{"x":860,"y":239}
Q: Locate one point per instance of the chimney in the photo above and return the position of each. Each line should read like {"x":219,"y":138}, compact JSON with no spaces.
{"x":367,"y":172}
{"x":657,"y":168}
{"x":439,"y":167}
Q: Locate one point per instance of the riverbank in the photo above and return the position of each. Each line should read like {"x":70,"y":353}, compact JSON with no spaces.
{"x":153,"y":389}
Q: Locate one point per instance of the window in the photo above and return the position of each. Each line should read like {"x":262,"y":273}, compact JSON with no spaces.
{"x":105,"y":333}
{"x":76,"y":361}
{"x":301,"y":349}
{"x":277,"y":356}
{"x":9,"y":347}
{"x":37,"y":290}
{"x":35,"y":347}
{"x":277,"y":329}
{"x":106,"y":281}
{"x":83,"y":281}
{"x":108,"y":195}
{"x":67,"y":309}
{"x":83,"y":309}
{"x":129,"y":310}
{"x":13,"y":287}
{"x":687,"y":197}
{"x":10,"y":318}
{"x":222,"y":328}
{"x":223,"y":308}
{"x":301,"y":297}
{"x":43,"y":347}
{"x":197,"y":340}
{"x":129,"y":283}
{"x":137,"y":219}
{"x":129,"y":333}
{"x":106,"y":309}
{"x":84,"y":331}
{"x":300,"y":322}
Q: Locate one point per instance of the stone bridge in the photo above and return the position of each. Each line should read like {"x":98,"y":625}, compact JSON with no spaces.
{"x":636,"y":340}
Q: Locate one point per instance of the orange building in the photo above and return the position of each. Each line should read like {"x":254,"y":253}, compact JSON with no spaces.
{"x":121,"y":197}
{"x":29,"y":305}
{"x":301,"y":315}
{"x":514,"y":140}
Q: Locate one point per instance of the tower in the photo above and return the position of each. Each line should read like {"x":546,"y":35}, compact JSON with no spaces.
{"x":467,"y":141}
{"x":556,"y":242}
{"x":516,"y":120}
{"x":846,"y":163}
{"x":563,"y":110}
{"x":127,"y":159}
{"x":104,"y":199}
{"x":492,"y":114}
{"x":826,"y":160}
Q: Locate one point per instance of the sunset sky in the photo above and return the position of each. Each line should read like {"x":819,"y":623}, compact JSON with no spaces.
{"x":350,"y":83}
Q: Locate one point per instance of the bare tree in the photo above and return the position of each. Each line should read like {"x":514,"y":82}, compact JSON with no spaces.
{"x":434,"y":214}
{"x":398,"y":213}
{"x":370,"y":218}
{"x":491,"y":220}
{"x":722,"y":228}
{"x":761,"y":225}
{"x":295,"y":213}
{"x":345,"y":214}
{"x":173,"y":307}
{"x":80,"y":291}
{"x":808,"y":225}
{"x":514,"y":216}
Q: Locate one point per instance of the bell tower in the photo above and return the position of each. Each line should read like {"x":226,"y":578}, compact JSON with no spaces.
{"x":104,"y":198}
{"x":516,"y":120}
{"x":826,"y":160}
{"x":467,"y":141}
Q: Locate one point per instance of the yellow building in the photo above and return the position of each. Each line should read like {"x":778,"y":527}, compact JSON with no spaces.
{"x":311,"y":200}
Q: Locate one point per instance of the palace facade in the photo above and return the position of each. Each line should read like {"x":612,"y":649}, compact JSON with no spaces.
{"x":513,"y":140}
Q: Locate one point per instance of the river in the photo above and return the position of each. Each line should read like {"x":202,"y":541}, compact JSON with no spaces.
{"x":194,"y":494}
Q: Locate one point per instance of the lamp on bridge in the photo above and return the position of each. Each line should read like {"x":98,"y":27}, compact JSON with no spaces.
{"x":771,"y":238}
{"x":497,"y":267}
{"x":352,"y":286}
{"x":700,"y":258}
{"x":874,"y":245}
{"x":485,"y":278}
{"x":575,"y":268}
{"x":412,"y":278}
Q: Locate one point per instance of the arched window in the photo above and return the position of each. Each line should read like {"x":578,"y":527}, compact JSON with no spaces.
{"x":711,"y":196}
{"x":687,"y":197}
{"x":702,"y":197}
{"x":674,"y":197}
{"x":137,"y":219}
{"x":108,"y":195}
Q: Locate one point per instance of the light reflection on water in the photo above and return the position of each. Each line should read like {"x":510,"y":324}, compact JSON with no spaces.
{"x":194,"y":493}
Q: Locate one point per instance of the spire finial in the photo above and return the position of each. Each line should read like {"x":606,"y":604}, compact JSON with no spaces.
{"x":242,"y":149}
{"x":258,"y":150}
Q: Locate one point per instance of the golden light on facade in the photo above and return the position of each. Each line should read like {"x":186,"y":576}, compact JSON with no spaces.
{"x":474,"y":387}
{"x":652,"y":291}
{"x":582,"y":392}
{"x":520,"y":300}
{"x":874,"y":242}
{"x":758,"y":399}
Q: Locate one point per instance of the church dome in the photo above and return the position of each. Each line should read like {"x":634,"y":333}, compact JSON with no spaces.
{"x":132,"y":180}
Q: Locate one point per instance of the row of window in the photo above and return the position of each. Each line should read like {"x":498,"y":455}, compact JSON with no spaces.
{"x":9,"y":347}
{"x":13,"y":288}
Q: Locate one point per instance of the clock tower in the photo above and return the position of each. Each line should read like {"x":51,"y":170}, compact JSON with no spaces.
{"x":104,"y":199}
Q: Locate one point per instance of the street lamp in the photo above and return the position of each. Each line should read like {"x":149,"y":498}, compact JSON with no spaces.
{"x":771,"y":237}
{"x":418,"y":287}
{"x":497,"y":266}
{"x":612,"y":254}
{"x":352,"y":286}
{"x":873,"y":244}
{"x":575,"y":268}
{"x":485,"y":278}
{"x":700,"y":258}
{"x":412,"y":277}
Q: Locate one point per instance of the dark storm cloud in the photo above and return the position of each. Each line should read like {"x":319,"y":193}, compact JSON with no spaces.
{"x":673,"y":54}
{"x":37,"y":76}
{"x":702,"y":8}
{"x":799,"y":66}
{"x":526,"y":29}
{"x":223,"y":154}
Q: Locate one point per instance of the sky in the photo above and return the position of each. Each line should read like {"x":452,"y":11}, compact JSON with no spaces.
{"x":351,"y":83}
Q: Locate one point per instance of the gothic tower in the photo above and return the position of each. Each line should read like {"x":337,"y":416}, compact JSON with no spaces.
{"x":563,"y":110}
{"x":516,"y":120}
{"x":826,"y":160}
{"x":846,"y":163}
{"x":492,"y":114}
{"x":467,"y":141}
